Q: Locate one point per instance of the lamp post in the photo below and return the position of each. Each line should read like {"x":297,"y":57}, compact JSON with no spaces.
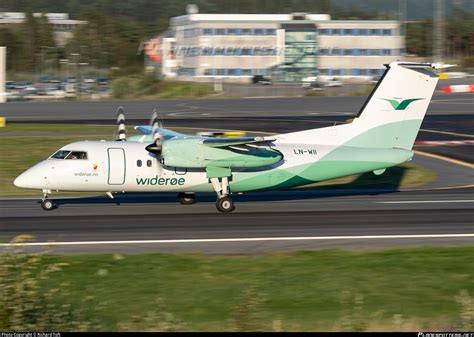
{"x":76,"y":63}
{"x":80,"y":76}
{"x":62,"y":62}
{"x":42,"y":58}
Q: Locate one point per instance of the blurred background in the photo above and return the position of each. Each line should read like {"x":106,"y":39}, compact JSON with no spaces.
{"x":108,"y":49}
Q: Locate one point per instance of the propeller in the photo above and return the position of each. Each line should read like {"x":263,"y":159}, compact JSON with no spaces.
{"x":121,"y":129}
{"x":156,"y":125}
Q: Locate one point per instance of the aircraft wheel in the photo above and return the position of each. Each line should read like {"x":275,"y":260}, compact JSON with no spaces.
{"x":187,"y":198}
{"x":225,"y":205}
{"x":47,"y":205}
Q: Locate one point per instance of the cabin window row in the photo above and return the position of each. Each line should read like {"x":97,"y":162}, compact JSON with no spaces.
{"x":148,"y":163}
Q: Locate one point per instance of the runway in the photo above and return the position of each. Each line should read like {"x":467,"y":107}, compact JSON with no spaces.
{"x":264,"y":222}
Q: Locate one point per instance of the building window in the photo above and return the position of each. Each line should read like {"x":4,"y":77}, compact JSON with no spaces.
{"x":246,"y":51}
{"x":374,"y":52}
{"x":355,"y":31}
{"x":323,"y":52}
{"x":336,"y":32}
{"x":374,"y":32}
{"x":246,"y":71}
{"x":246,"y":31}
{"x":347,"y":31}
{"x":347,"y":52}
{"x":271,"y":32}
{"x":355,"y":72}
{"x":231,"y":31}
{"x":323,"y":72}
{"x":258,"y":31}
{"x":363,"y":52}
{"x":232,"y":72}
{"x":387,"y":32}
{"x":207,"y":31}
{"x":323,"y":32}
{"x":363,"y":32}
{"x":220,"y":31}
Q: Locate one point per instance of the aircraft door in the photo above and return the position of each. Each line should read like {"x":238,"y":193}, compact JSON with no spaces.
{"x":117,"y":169}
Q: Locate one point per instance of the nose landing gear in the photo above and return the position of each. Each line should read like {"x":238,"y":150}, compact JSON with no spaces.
{"x":47,"y":204}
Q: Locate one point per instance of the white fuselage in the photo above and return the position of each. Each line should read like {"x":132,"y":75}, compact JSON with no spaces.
{"x":128,"y":167}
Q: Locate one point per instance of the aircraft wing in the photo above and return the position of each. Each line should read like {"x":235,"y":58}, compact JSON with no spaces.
{"x":222,"y":142}
{"x":167,"y":134}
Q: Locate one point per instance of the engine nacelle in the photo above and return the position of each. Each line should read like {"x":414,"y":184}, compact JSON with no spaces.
{"x":191,"y":153}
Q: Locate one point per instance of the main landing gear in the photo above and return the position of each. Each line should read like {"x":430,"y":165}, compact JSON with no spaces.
{"x":224,"y":203}
{"x":187,"y":198}
{"x":47,"y":204}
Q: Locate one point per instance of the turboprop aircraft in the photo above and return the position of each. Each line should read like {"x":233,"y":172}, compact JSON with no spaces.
{"x":380,"y":136}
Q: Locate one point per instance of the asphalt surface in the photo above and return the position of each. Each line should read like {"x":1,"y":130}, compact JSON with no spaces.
{"x":213,"y":108}
{"x":318,"y":220}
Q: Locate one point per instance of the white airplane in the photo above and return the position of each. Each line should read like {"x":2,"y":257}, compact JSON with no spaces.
{"x":381,"y":136}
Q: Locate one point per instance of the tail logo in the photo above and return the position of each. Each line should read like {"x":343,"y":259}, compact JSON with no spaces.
{"x":402,"y":105}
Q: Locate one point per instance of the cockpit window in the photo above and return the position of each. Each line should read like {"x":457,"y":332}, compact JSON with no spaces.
{"x":77,"y":155}
{"x":61,"y":154}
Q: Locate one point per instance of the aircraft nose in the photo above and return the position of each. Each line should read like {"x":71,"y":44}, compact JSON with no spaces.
{"x":34,"y":177}
{"x":22,"y":180}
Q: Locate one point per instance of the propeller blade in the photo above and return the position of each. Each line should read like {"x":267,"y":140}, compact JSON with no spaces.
{"x":121,"y":128}
{"x":157,"y":144}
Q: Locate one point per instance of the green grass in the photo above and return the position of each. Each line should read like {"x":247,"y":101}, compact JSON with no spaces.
{"x":403,"y":289}
{"x":106,"y":130}
{"x":18,"y":153}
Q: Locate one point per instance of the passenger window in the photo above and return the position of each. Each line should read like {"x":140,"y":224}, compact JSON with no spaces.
{"x":77,"y":155}
{"x":139,"y":163}
{"x":61,"y":154}
{"x":148,"y":163}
